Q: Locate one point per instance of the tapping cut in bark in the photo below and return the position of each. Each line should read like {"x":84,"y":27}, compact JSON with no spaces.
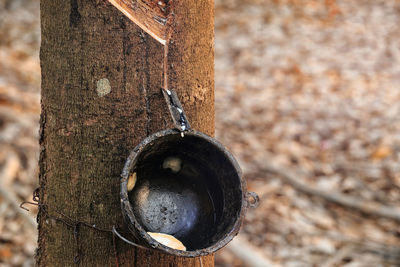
{"x":151,"y":16}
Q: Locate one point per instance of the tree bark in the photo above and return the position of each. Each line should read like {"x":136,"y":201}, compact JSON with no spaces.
{"x":101,"y":80}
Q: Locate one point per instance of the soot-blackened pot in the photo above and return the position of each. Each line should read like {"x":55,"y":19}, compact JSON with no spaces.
{"x":188,"y":186}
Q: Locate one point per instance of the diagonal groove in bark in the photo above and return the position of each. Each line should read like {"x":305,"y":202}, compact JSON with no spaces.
{"x":152,"y":17}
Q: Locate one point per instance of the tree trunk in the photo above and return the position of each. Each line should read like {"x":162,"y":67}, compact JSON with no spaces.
{"x":101,"y":80}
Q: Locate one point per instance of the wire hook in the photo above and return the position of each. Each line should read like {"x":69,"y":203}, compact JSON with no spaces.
{"x":114,"y":230}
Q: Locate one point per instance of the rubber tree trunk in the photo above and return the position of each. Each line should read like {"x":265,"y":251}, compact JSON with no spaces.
{"x":101,"y":80}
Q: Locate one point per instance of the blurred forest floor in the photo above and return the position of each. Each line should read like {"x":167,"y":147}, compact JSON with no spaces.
{"x":307,"y":98}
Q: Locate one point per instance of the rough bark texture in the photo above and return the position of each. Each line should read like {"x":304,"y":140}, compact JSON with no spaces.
{"x":101,"y":79}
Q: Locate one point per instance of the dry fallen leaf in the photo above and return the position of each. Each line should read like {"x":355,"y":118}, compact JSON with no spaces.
{"x":5,"y":253}
{"x":172,"y":163}
{"x":131,"y":181}
{"x":168,"y":240}
{"x":381,"y":152}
